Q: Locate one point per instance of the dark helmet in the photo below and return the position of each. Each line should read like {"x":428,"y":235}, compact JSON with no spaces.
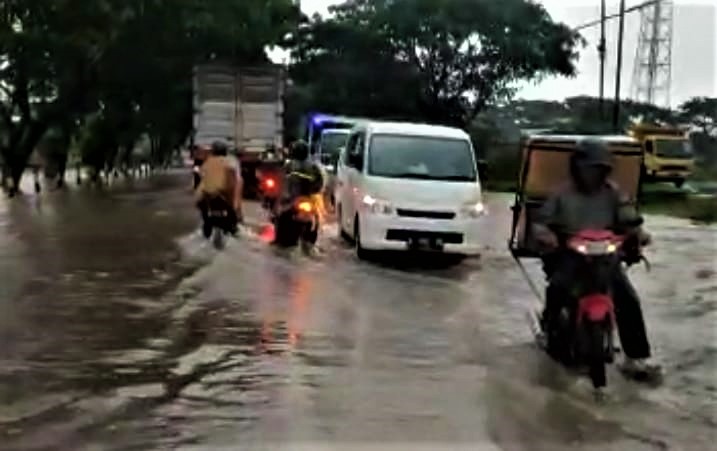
{"x":299,"y":151}
{"x":219,"y":148}
{"x":592,"y":152}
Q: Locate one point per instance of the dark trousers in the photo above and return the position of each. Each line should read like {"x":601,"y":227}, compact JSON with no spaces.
{"x":561,"y":272}
{"x":231,"y":218}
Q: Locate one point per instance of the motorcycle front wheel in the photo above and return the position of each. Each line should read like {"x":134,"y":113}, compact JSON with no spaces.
{"x":218,"y":238}
{"x":598,"y":336}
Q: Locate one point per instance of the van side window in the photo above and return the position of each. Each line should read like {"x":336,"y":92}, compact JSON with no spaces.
{"x":648,"y":146}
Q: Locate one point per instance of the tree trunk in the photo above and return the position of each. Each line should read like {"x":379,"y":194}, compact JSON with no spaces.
{"x":19,"y":153}
{"x":15,"y":177}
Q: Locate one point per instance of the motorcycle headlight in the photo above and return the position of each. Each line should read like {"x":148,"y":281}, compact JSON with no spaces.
{"x":474,"y":209}
{"x":377,"y":206}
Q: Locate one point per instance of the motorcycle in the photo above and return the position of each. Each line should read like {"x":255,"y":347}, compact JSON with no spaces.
{"x":269,"y":189}
{"x":297,"y":223}
{"x":219,"y":222}
{"x":582,"y":334}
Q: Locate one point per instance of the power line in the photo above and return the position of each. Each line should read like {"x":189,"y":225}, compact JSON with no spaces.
{"x":616,"y":15}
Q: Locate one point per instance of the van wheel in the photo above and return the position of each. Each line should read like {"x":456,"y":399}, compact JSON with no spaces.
{"x":361,"y":253}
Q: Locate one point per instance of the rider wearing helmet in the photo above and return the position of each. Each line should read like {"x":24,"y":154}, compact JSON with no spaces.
{"x":303,"y":177}
{"x":220,"y":177}
{"x":592,"y":201}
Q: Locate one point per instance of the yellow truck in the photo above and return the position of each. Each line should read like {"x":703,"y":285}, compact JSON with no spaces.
{"x":667,"y":152}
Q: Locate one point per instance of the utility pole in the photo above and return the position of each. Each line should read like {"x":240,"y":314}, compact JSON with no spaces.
{"x":601,"y":52}
{"x":618,"y":72}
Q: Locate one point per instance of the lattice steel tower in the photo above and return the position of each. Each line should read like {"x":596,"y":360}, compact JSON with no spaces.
{"x":652,"y":73}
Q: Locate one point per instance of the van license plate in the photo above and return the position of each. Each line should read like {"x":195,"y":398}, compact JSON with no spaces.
{"x":424,"y":242}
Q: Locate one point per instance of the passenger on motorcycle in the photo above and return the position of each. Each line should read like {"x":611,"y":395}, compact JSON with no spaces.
{"x":220,"y":179}
{"x":592,"y":201}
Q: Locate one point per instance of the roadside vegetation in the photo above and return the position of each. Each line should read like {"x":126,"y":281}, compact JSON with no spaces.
{"x":106,"y":84}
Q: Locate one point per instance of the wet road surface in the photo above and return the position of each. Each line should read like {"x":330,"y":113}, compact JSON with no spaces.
{"x":121,"y":329}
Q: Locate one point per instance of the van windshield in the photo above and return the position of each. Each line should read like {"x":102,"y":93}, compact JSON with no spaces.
{"x":331,"y":142}
{"x":420,"y":157}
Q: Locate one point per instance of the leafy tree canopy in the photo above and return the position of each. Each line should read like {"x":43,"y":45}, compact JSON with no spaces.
{"x":442,"y":60}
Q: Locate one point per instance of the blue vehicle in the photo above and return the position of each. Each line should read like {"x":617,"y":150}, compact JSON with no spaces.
{"x":316,"y":123}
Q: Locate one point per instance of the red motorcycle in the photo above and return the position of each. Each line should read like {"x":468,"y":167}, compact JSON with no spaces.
{"x":269,"y":188}
{"x":582,"y":334}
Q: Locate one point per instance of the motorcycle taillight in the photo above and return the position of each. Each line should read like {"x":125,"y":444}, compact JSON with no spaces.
{"x":305,"y":207}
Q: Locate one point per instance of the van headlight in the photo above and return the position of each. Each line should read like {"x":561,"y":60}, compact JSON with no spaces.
{"x":377,"y":206}
{"x":474,"y":210}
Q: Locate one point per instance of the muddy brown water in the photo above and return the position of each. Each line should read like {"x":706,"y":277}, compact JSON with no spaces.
{"x":122,"y":329}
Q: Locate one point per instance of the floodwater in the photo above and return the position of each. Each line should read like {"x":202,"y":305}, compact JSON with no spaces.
{"x":121,"y":329}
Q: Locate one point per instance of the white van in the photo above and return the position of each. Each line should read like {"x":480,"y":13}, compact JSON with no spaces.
{"x":404,"y":186}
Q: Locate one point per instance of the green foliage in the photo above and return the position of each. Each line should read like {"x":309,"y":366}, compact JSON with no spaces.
{"x":440,"y":60}
{"x":501,"y":124}
{"x":125,"y":63}
{"x":702,"y":112}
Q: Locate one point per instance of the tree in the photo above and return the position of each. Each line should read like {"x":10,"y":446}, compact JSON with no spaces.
{"x":701,"y":112}
{"x":346,"y":69}
{"x":46,"y":58}
{"x":126,"y":64}
{"x":451,"y":58}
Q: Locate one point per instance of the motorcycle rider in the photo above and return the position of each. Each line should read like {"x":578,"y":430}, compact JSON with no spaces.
{"x":220,"y":177}
{"x":303,"y":178}
{"x":592,"y":201}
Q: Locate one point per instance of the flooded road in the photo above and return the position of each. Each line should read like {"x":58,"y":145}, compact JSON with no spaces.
{"x":121,"y":329}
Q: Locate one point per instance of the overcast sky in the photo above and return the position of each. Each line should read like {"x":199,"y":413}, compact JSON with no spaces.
{"x":694,"y":49}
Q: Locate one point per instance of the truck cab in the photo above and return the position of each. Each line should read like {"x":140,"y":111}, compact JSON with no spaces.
{"x":668,"y":155}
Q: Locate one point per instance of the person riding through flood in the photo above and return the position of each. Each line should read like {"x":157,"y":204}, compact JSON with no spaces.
{"x":592,"y":201}
{"x":303,"y":177}
{"x":220,"y":177}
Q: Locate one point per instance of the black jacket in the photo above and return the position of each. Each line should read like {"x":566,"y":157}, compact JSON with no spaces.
{"x":303,"y":178}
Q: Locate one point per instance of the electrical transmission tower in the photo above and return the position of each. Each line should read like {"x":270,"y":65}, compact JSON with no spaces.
{"x":652,"y":73}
